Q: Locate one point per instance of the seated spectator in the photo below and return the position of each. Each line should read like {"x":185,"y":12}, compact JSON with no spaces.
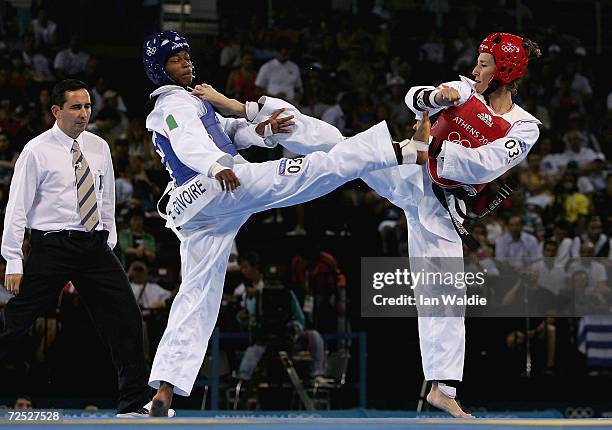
{"x":391,"y":227}
{"x":102,"y":96}
{"x":139,"y":144}
{"x":136,"y":244}
{"x":399,"y":114}
{"x":107,"y":125}
{"x":537,"y":184}
{"x":145,"y":190}
{"x":570,"y":204}
{"x":603,"y":202}
{"x":250,"y":269}
{"x":595,"y":175}
{"x":72,"y":60}
{"x":317,"y":277}
{"x":585,"y":263}
{"x":241,"y":82}
{"x":44,"y":30}
{"x":527,"y":297}
{"x":591,"y":329}
{"x":340,"y":114}
{"x":517,"y":248}
{"x":124,"y":190}
{"x":551,"y":275}
{"x":273,"y":316}
{"x":576,"y":149}
{"x":35,"y":60}
{"x":153,"y":301}
{"x":562,"y":236}
{"x":595,"y":235}
{"x":149,"y":295}
{"x":23,"y":402}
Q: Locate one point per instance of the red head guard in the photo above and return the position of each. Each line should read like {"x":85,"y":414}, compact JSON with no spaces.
{"x":510,"y":56}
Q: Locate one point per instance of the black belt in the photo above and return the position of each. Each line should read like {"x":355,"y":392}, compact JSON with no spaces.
{"x":503,"y":193}
{"x":75,"y":234}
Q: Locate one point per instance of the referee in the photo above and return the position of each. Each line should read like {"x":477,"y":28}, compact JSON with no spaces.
{"x":63,"y":189}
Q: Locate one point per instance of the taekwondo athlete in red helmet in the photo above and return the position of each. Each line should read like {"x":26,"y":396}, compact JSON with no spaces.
{"x":479,"y":135}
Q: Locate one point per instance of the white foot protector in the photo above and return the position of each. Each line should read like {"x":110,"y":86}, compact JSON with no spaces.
{"x":409,"y":148}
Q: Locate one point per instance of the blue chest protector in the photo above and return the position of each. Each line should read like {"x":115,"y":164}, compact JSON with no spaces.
{"x":177,"y":169}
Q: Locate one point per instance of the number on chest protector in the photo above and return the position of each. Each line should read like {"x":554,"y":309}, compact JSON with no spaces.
{"x":290,"y":166}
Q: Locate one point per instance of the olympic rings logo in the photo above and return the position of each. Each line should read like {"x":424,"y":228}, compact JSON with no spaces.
{"x":509,"y":48}
{"x":151,"y":50}
{"x":579,"y":412}
{"x":455,"y":137}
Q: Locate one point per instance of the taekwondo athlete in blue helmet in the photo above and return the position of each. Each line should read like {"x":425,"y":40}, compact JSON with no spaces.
{"x":214,"y":191}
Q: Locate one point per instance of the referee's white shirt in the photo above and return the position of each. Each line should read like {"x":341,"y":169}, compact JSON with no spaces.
{"x":43,"y":194}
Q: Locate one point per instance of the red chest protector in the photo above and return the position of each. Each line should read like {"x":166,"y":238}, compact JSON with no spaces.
{"x":470,"y":125}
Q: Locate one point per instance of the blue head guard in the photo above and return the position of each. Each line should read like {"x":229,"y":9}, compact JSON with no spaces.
{"x":156,"y":50}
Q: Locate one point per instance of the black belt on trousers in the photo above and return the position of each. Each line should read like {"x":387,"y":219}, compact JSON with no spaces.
{"x":75,"y":234}
{"x":503,"y":193}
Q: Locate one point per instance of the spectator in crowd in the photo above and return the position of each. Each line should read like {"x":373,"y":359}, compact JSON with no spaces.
{"x":318,"y":279}
{"x":585,"y":263}
{"x":251,"y":272}
{"x":106,"y":125}
{"x":241,"y":81}
{"x":23,"y":402}
{"x":551,"y":275}
{"x":340,"y":114}
{"x":598,"y":354}
{"x":280,"y":77}
{"x":595,"y":235}
{"x":35,"y":60}
{"x":104,"y":97}
{"x":135,"y":242}
{"x":281,"y":322}
{"x":124,"y":190}
{"x":576,"y":150}
{"x":145,"y":190}
{"x":516,"y":247}
{"x":139,"y":144}
{"x":399,"y":114}
{"x":44,"y":30}
{"x":72,"y":60}
{"x":603,"y":202}
{"x":570,"y":204}
{"x":561,"y":235}
{"x":150,"y":296}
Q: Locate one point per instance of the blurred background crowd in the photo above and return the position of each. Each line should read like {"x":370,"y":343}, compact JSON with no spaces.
{"x":349,"y":63}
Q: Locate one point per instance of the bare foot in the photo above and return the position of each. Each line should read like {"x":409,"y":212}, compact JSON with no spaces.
{"x":162,"y":400}
{"x":439,"y":400}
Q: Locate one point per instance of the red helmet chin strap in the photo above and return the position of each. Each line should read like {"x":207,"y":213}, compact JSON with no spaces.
{"x":511,"y":59}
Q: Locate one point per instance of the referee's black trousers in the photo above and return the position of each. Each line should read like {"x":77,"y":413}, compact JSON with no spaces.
{"x":87,"y":261}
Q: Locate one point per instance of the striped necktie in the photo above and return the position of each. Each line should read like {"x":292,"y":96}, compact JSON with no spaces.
{"x":86,"y":195}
